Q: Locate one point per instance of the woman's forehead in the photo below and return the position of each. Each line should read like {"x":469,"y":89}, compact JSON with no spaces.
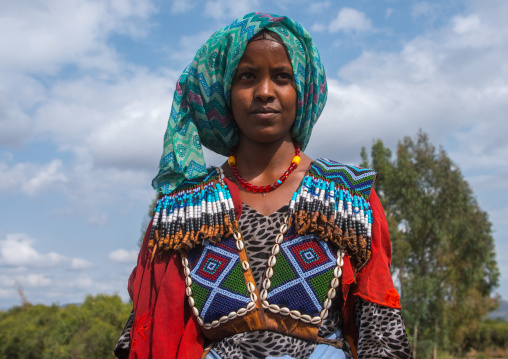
{"x":265,"y":51}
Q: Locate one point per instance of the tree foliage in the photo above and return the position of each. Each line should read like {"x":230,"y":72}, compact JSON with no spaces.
{"x":146,"y":220}
{"x":52,"y":332}
{"x":443,"y":250}
{"x":491,"y":334}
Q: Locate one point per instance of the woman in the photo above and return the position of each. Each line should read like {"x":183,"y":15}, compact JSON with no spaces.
{"x":257,"y":259}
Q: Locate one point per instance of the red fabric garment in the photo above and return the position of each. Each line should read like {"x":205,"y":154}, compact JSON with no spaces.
{"x":235,"y":196}
{"x":374,"y":282}
{"x":164,"y":326}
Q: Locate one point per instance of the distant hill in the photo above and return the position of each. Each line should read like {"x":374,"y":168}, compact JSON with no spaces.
{"x":501,"y":312}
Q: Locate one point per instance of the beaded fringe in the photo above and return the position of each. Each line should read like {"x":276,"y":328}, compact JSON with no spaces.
{"x":333,"y":213}
{"x":190,"y":215}
{"x":204,"y":210}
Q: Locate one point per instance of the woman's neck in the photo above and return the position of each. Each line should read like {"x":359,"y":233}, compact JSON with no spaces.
{"x":254,"y":159}
{"x":262,"y":164}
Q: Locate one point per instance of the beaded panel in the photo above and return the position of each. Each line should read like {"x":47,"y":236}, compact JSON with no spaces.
{"x":199,"y":209}
{"x":302,"y":275}
{"x":333,"y":204}
{"x":216,"y":281}
{"x":356,"y":179}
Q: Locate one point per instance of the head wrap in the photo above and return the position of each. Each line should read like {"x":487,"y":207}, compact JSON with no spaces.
{"x":200,"y":114}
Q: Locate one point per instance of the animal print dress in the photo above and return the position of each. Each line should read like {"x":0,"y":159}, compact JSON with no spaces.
{"x":381,"y":329}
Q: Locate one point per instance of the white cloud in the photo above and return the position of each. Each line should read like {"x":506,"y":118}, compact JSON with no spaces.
{"x":451,"y":82}
{"x":83,"y":282}
{"x":44,"y":177}
{"x":423,"y":8}
{"x":189,"y":45}
{"x":16,"y":250}
{"x":462,"y":25}
{"x":19,"y":94}
{"x":38,"y":280}
{"x":318,"y":27}
{"x":124,"y":256}
{"x":99,"y":194}
{"x":181,"y":6}
{"x":112,"y":118}
{"x":7,"y":294}
{"x":224,"y":9}
{"x":14,"y":124}
{"x":111,"y":121}
{"x":42,"y":35}
{"x":118,"y":123}
{"x":114,"y":130}
{"x":111,"y":115}
{"x":349,"y":19}
{"x":80,"y":264}
{"x":31,"y":178}
{"x":319,"y":6}
{"x":389,"y":12}
{"x":99,"y":219}
{"x":60,"y":288}
{"x":21,"y":281}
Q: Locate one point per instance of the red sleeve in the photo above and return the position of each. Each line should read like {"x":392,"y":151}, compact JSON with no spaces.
{"x":164,"y":326}
{"x":235,"y":196}
{"x":374,"y":282}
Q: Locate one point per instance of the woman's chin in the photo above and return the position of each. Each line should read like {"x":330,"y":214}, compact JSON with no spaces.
{"x":266,"y":136}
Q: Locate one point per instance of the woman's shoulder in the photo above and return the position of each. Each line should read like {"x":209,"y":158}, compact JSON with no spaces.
{"x":198,"y":209}
{"x":212,"y":174}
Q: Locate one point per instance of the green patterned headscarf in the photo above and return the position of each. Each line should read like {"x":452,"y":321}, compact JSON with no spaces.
{"x":200,"y":114}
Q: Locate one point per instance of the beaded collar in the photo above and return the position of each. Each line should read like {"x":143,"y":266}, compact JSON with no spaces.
{"x":331,"y":204}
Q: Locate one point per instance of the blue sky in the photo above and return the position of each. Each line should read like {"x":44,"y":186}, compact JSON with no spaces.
{"x":86,"y":89}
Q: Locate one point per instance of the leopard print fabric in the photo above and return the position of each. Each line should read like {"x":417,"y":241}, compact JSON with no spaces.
{"x":259,"y":232}
{"x":124,"y":343}
{"x":382,"y":332}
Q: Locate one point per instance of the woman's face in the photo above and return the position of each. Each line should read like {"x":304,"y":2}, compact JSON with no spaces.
{"x":263,"y":94}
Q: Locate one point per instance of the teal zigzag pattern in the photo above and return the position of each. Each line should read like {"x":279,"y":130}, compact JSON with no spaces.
{"x":356,"y":179}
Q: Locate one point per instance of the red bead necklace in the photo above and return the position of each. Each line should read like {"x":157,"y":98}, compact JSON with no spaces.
{"x":263,"y":189}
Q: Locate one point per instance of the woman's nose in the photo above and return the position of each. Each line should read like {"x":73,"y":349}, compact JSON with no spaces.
{"x":265,"y":89}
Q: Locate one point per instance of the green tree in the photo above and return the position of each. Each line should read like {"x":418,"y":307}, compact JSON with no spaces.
{"x":491,"y":334}
{"x":41,"y":332}
{"x":443,"y":250}
{"x":146,"y":220}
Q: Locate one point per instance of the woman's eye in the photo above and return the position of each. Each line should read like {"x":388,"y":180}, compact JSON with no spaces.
{"x":245,"y":76}
{"x":285,"y":76}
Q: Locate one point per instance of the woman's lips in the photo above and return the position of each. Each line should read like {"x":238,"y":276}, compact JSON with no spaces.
{"x":265,"y":113}
{"x":265,"y":110}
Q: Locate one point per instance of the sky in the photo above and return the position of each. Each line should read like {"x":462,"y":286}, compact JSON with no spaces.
{"x":86,"y":89}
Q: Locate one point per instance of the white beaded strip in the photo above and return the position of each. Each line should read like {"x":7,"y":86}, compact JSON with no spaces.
{"x":251,"y":287}
{"x":295,"y":314}
{"x":272,"y":260}
{"x":332,"y":292}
